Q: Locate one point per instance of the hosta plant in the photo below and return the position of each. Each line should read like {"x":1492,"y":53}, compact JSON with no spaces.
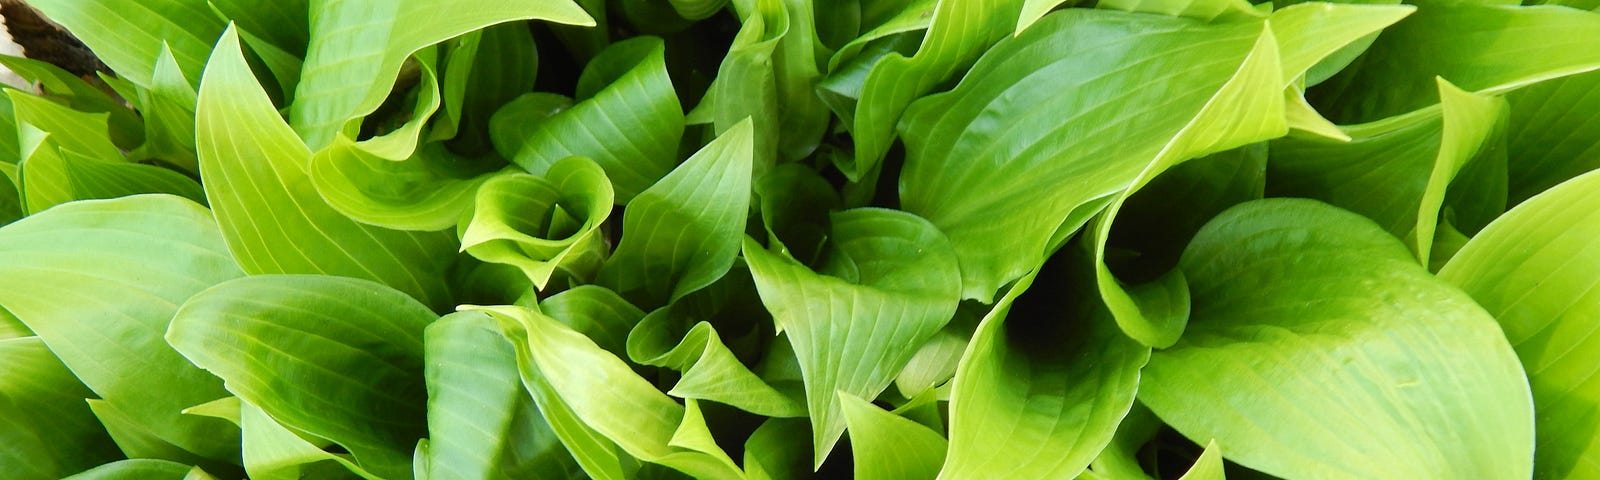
{"x":773,"y":239}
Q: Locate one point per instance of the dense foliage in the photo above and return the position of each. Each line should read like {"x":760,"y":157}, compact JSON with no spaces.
{"x":771,"y":239}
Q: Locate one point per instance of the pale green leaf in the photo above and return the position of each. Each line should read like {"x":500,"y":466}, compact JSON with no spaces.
{"x":129,"y":37}
{"x":256,"y":173}
{"x":134,"y":469}
{"x":99,"y":281}
{"x":542,"y":225}
{"x":338,"y":358}
{"x":1535,"y":270}
{"x":1318,"y":344}
{"x":886,"y":446}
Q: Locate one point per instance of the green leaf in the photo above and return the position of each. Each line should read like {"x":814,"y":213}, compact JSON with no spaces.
{"x":130,"y":39}
{"x":99,"y":282}
{"x":542,"y":224}
{"x":964,"y":176}
{"x":613,"y":401}
{"x":274,"y":220}
{"x":86,"y":133}
{"x":1465,"y":43}
{"x":168,"y":108}
{"x":679,"y":337}
{"x":48,"y":432}
{"x":888,"y":283}
{"x":1534,"y":270}
{"x":683,"y":233}
{"x":769,"y":77}
{"x":338,"y":358}
{"x":1045,"y":381}
{"x":886,"y":446}
{"x":483,"y":71}
{"x":778,"y":450}
{"x":1318,"y":344}
{"x":1202,"y":10}
{"x":54,"y":175}
{"x":284,"y":23}
{"x":134,"y":469}
{"x":137,"y":441}
{"x":1208,"y":466}
{"x":481,"y":422}
{"x":514,"y":123}
{"x":627,"y":118}
{"x":356,"y":49}
{"x":78,"y":94}
{"x":597,"y":313}
{"x":1550,"y":137}
{"x":1394,"y":171}
{"x":272,"y":452}
{"x":960,"y":31}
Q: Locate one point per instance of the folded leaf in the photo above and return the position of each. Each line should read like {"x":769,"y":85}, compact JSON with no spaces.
{"x":99,"y":282}
{"x":1044,"y":382}
{"x":1535,"y":270}
{"x":683,"y":233}
{"x":602,"y":391}
{"x":338,"y":358}
{"x":356,"y":48}
{"x":888,"y":283}
{"x":542,"y":224}
{"x":257,"y":182}
{"x":1318,"y":344}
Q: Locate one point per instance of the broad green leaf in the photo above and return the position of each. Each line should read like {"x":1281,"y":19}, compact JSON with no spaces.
{"x":683,"y":337}
{"x":960,"y":31}
{"x":256,"y":173}
{"x":1119,"y":460}
{"x":886,"y":446}
{"x":936,"y":360}
{"x":1318,"y":344}
{"x":427,"y":192}
{"x":888,"y":283}
{"x":627,"y":118}
{"x":356,"y":49}
{"x":542,"y":225}
{"x":46,"y":431}
{"x":1044,"y":382}
{"x":975,"y":180}
{"x":339,"y":358}
{"x":130,"y":39}
{"x":99,"y":282}
{"x":134,"y":469}
{"x":1534,"y":269}
{"x":481,"y":422}
{"x":1551,"y":135}
{"x":1482,"y":48}
{"x":1203,"y":10}
{"x":1395,"y":170}
{"x":624,"y":408}
{"x":597,"y":313}
{"x":913,"y":17}
{"x":683,"y":233}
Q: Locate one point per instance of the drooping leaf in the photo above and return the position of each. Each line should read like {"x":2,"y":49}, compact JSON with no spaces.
{"x":888,"y":283}
{"x":99,"y":282}
{"x":1535,"y":270}
{"x":339,"y":358}
{"x":683,"y":233}
{"x":356,"y":48}
{"x":256,"y":173}
{"x":1318,"y":344}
